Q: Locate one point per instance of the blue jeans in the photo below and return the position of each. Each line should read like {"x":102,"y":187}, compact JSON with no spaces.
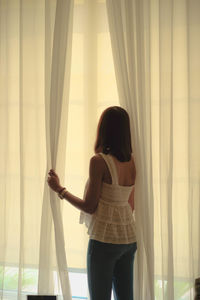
{"x":110,"y":265}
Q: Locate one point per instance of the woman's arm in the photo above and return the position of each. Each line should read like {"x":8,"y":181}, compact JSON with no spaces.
{"x":89,"y":204}
{"x":131,"y":199}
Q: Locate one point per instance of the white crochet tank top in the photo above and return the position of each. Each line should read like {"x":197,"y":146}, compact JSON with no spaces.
{"x":113,"y":220}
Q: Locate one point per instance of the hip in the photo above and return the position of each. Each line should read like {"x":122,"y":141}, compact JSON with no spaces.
{"x":95,"y":246}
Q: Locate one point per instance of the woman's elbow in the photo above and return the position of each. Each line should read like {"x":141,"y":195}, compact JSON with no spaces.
{"x":90,"y":209}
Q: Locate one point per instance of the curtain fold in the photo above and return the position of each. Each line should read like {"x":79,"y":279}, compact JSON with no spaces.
{"x":35,"y":57}
{"x":155,"y":46}
{"x":56,"y":134}
{"x":129,"y":35}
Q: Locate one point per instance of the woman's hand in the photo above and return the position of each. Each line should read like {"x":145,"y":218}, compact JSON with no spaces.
{"x":53,"y":181}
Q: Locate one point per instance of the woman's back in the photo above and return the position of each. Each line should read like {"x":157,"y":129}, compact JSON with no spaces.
{"x":126,"y":172}
{"x":113,"y":221}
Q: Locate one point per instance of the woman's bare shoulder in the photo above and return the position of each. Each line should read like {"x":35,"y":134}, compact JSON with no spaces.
{"x":97,"y":167}
{"x":97,"y":161}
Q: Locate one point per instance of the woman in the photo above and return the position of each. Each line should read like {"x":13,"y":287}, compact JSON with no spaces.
{"x":107,"y":208}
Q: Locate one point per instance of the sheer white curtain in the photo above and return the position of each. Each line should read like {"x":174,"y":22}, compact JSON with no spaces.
{"x":39,"y":127}
{"x":35,"y":56}
{"x":156,"y":46}
{"x":57,"y":70}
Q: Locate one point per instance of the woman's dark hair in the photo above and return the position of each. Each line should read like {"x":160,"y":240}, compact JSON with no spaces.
{"x":113,"y":134}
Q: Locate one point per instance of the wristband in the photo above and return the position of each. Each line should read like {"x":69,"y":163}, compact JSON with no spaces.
{"x":61,"y":193}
